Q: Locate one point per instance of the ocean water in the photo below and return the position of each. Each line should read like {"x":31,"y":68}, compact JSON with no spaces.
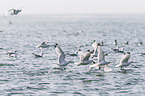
{"x":30,"y":76}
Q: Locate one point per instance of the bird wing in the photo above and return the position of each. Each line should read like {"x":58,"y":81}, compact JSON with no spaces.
{"x":101,"y":55}
{"x":81,"y":54}
{"x":61,"y":58}
{"x":86,"y":56}
{"x":94,"y":45}
{"x":125,"y":58}
{"x":59,"y":51}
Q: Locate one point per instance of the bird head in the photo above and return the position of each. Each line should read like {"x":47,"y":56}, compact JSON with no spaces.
{"x":80,"y":50}
{"x":55,"y":45}
{"x":88,"y":50}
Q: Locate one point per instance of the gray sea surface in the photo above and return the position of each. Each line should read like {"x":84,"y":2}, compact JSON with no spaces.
{"x":26,"y":75}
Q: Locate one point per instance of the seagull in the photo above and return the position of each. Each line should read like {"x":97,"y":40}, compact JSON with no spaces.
{"x":44,"y":45}
{"x":100,"y":44}
{"x":101,"y":61}
{"x":142,"y":53}
{"x":140,"y":43}
{"x":37,"y":56}
{"x":61,"y":56}
{"x":126,"y":43}
{"x":116,"y":49}
{"x":12,"y":54}
{"x":121,"y":50}
{"x":74,"y":54}
{"x":78,"y":32}
{"x":84,"y":58}
{"x":124,"y":62}
{"x":115,"y":42}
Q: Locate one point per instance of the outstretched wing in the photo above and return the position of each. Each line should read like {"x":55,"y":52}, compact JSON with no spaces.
{"x":86,"y":56}
{"x":61,"y":59}
{"x":59,"y":51}
{"x":94,"y":45}
{"x":101,"y":55}
{"x":81,"y":54}
{"x":125,"y":58}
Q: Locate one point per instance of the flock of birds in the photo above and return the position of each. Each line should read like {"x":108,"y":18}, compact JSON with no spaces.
{"x":85,"y":58}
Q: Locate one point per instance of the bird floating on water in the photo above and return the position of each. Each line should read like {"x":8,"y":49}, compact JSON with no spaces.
{"x":37,"y":55}
{"x":118,"y":50}
{"x":101,"y":44}
{"x":74,"y":54}
{"x":12,"y":54}
{"x":13,"y":12}
{"x":126,"y":43}
{"x":115,"y":42}
{"x":140,"y":43}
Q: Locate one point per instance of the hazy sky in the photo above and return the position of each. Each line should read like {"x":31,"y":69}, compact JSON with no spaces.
{"x":74,"y":6}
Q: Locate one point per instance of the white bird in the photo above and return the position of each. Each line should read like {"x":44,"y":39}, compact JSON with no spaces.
{"x":142,"y":53}
{"x":116,"y":49}
{"x":124,"y":61}
{"x":74,"y":54}
{"x":140,"y":43}
{"x":115,"y":42}
{"x":61,"y":56}
{"x":101,"y":44}
{"x":126,"y":43}
{"x":37,"y":55}
{"x":44,"y":45}
{"x":95,"y":46}
{"x":101,"y":61}
{"x":12,"y":54}
{"x":84,"y":58}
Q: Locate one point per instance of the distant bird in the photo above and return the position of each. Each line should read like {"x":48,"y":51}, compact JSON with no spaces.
{"x":101,"y":44}
{"x":140,"y":43}
{"x":84,"y":58}
{"x":74,"y":54}
{"x":124,"y":61}
{"x":115,"y":42}
{"x":61,"y":56}
{"x":10,"y":22}
{"x":12,"y":54}
{"x":121,"y":50}
{"x":78,"y":32}
{"x":44,"y":45}
{"x":1,"y":48}
{"x":116,"y":49}
{"x":1,"y":31}
{"x":126,"y":43}
{"x":142,"y":53}
{"x":37,"y":55}
{"x":101,"y":61}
